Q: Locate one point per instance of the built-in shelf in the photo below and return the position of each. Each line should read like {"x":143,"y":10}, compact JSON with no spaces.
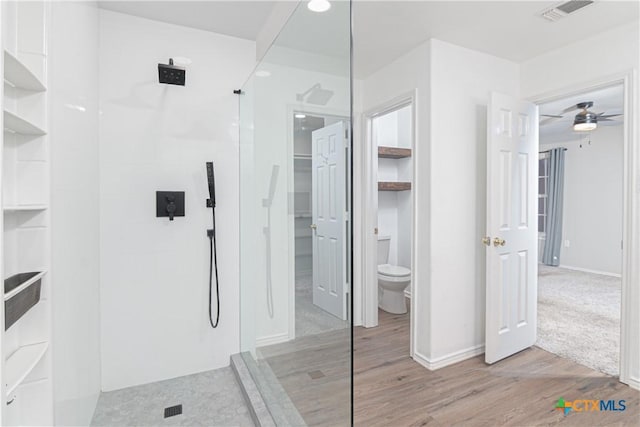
{"x":21,"y":208}
{"x":16,"y":290}
{"x":394,"y":186}
{"x":393,"y":152}
{"x":302,"y":215}
{"x":21,"y":363}
{"x":17,"y":74}
{"x":16,"y":124}
{"x":302,"y":157}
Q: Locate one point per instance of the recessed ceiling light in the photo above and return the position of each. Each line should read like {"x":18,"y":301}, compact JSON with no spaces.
{"x":319,"y":5}
{"x":300,"y":116}
{"x":263,"y":73}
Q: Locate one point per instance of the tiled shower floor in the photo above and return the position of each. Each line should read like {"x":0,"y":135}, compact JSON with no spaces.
{"x":210,"y":398}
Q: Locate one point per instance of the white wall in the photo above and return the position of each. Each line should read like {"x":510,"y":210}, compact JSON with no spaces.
{"x":154,"y":273}
{"x":568,"y":68}
{"x":75,"y":211}
{"x":462,"y":81}
{"x":593,"y":183}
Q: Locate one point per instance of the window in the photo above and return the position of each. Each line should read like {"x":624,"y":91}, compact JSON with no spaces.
{"x":543,"y":185}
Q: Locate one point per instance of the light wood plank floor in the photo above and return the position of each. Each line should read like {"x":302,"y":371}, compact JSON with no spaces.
{"x":393,"y":390}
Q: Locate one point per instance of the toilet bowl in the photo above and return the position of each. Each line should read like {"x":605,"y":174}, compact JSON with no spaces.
{"x":392,"y":280}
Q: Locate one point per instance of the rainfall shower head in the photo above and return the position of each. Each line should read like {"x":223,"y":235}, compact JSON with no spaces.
{"x":316,"y":95}
{"x":171,"y":74}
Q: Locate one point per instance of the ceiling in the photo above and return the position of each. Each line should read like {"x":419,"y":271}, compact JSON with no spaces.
{"x":238,"y":18}
{"x":385,"y":30}
{"x":609,"y":100}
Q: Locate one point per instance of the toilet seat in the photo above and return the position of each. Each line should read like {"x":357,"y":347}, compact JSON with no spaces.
{"x":393,"y":271}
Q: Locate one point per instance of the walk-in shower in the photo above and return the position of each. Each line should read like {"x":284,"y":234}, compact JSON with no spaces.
{"x":304,"y":378}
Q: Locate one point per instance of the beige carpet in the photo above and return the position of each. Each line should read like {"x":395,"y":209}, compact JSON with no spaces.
{"x":579,"y":317}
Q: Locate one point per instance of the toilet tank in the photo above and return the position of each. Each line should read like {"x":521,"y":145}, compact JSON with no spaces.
{"x":384,"y":242}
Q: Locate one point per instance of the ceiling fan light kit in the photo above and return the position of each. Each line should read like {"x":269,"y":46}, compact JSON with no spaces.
{"x":585,"y":121}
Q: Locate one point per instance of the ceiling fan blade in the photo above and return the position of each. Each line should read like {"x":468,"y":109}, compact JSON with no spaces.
{"x":551,"y":115}
{"x":605,"y":116}
{"x":600,"y":119}
{"x":570,"y":109}
{"x":547,"y":121}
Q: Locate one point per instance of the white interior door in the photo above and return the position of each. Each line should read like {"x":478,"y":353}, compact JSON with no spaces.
{"x":328,"y":209}
{"x":512,"y":286}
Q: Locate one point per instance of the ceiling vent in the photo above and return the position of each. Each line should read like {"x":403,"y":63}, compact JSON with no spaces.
{"x":564,"y":9}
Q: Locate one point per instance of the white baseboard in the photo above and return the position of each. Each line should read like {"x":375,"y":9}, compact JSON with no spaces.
{"x":272,"y":339}
{"x":449,"y":359}
{"x":587,"y":270}
{"x":634,"y":383}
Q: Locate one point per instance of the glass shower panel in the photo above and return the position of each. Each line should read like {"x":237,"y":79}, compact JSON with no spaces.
{"x":295,"y":263}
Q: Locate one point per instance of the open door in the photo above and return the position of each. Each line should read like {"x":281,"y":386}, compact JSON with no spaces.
{"x":511,"y":240}
{"x":328,"y":211}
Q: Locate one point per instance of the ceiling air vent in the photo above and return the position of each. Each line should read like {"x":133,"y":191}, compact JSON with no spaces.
{"x":563,"y":9}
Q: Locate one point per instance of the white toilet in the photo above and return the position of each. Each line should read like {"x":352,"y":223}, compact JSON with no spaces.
{"x":392,"y":280}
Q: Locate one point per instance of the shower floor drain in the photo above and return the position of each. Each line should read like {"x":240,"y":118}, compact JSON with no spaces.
{"x":172,"y":411}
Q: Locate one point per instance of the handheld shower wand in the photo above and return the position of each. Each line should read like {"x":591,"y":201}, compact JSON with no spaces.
{"x":213,"y":250}
{"x":267,"y":234}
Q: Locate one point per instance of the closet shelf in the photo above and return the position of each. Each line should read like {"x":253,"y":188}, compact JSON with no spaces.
{"x":17,"y":124}
{"x":394,"y":186}
{"x":22,"y":208}
{"x":21,"y":363}
{"x":17,"y":74}
{"x":393,"y":152}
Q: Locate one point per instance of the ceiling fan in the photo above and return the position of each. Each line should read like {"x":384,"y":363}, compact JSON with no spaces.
{"x":585,"y":120}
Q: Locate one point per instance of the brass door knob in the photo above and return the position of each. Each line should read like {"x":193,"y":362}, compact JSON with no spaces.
{"x":499,"y":242}
{"x":313,"y":226}
{"x":486,"y":240}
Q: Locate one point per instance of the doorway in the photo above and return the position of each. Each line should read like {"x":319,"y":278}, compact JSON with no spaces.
{"x":388,"y":255}
{"x":316,"y":311}
{"x":580,"y":228}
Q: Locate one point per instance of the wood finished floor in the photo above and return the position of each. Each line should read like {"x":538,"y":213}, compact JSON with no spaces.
{"x":393,"y":390}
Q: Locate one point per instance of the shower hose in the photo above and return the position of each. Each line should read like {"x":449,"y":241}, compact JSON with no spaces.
{"x":213,"y":269}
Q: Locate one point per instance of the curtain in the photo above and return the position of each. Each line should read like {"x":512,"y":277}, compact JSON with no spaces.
{"x":555,"y":198}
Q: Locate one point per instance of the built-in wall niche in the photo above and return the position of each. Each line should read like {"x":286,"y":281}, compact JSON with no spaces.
{"x":25,"y":174}
{"x":25,"y":248}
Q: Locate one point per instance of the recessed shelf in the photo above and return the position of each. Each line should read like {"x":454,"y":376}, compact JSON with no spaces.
{"x":302,"y":215}
{"x":16,"y":124}
{"x":301,"y":156}
{"x":21,"y":363}
{"x":394,"y":186}
{"x":24,"y":208}
{"x":17,"y":74}
{"x":393,"y":152}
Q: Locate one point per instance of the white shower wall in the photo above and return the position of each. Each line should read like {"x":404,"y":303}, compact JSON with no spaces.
{"x":154,"y":273}
{"x":75,"y":214}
